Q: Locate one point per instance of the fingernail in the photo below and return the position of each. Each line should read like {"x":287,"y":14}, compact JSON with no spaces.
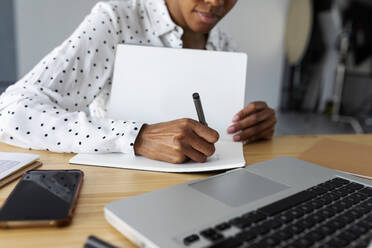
{"x":231,"y":129}
{"x":236,"y":138}
{"x":236,"y":118}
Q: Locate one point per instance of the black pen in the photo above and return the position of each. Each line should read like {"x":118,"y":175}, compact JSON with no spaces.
{"x":199,"y":108}
{"x":94,"y":242}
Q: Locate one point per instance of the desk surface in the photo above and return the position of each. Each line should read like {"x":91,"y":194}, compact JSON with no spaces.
{"x":104,"y":185}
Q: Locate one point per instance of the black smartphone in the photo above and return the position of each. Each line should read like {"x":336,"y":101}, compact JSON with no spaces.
{"x":42,"y":197}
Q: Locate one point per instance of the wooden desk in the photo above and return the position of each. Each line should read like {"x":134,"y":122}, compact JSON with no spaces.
{"x":104,"y":185}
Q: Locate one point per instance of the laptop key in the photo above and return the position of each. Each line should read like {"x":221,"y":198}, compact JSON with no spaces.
{"x":346,"y":190}
{"x":271,"y":224}
{"x":364,"y":243}
{"x":337,"y":243}
{"x":348,"y":236}
{"x":367,"y":204}
{"x":353,"y":214}
{"x":367,"y":223}
{"x":334,"y":183}
{"x":332,"y":196}
{"x":287,"y":203}
{"x":345,"y":218}
{"x":235,"y":221}
{"x":191,"y":239}
{"x":339,"y":192}
{"x":315,"y":236}
{"x":211,"y":234}
{"x":352,"y":200}
{"x":327,"y":213}
{"x":294,"y":229}
{"x":366,"y":191}
{"x":255,"y":216}
{"x":327,"y":229}
{"x":345,"y":204}
{"x":315,"y":218}
{"x":337,"y":223}
{"x":285,"y":218}
{"x":269,"y":242}
{"x":223,"y":226}
{"x":358,"y":229}
{"x":318,"y":190}
{"x":283,"y":235}
{"x":359,"y":196}
{"x":263,"y":229}
{"x":316,"y":204}
{"x":227,"y":243}
{"x":355,"y":186}
{"x":303,"y":242}
{"x":241,"y":223}
{"x":337,"y":207}
{"x":306,"y":223}
{"x":339,"y":181}
{"x":247,"y":235}
{"x":247,"y":220}
{"x":363,"y":210}
{"x":306,"y":208}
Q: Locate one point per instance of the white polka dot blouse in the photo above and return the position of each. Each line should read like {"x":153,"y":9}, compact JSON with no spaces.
{"x":60,"y":105}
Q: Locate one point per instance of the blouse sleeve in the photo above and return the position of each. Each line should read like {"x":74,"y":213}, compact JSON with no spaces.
{"x":48,"y":108}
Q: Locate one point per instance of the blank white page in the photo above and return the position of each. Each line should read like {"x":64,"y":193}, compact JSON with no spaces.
{"x":229,"y":155}
{"x":155,"y":85}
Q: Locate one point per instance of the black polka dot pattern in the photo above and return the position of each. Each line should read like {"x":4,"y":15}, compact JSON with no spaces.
{"x":61,"y":104}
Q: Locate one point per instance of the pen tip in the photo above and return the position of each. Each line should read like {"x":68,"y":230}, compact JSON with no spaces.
{"x":195,"y":96}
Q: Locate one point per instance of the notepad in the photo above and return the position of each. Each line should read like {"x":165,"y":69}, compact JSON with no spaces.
{"x":13,"y":165}
{"x":228,"y":155}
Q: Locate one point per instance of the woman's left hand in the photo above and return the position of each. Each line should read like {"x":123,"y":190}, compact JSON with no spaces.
{"x":255,"y":122}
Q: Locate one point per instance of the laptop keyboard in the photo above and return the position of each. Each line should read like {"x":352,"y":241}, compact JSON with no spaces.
{"x":336,"y":213}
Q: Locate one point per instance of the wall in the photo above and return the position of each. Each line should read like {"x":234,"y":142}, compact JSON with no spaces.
{"x":7,"y":43}
{"x":258,"y":28}
{"x":41,"y":25}
{"x":256,"y":25}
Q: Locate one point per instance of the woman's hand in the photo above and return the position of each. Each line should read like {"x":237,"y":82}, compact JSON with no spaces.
{"x":256,"y":121}
{"x":176,"y":141}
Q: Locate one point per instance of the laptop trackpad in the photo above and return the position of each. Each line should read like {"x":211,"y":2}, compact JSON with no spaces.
{"x":238,"y":188}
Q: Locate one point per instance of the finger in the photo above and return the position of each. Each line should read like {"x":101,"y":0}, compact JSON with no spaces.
{"x":251,"y":120}
{"x":255,"y":130}
{"x":200,"y":144}
{"x":249,"y":109}
{"x":266,"y":134}
{"x":205,"y":132}
{"x":193,"y":154}
{"x":175,"y":156}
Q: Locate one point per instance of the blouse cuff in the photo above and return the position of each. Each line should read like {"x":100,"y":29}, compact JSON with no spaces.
{"x":126,"y":142}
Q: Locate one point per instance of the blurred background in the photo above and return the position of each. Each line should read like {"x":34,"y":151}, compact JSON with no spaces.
{"x":309,"y":59}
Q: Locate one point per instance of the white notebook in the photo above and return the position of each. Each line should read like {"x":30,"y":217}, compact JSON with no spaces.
{"x":229,"y":155}
{"x":12,"y":162}
{"x":156,"y":85}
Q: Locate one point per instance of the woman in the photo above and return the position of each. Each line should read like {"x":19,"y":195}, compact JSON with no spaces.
{"x":60,"y":104}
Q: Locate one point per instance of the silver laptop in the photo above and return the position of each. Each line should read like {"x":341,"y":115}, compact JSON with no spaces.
{"x":284,"y":202}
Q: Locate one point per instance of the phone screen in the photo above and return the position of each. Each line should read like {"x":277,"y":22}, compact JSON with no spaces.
{"x":43,"y":196}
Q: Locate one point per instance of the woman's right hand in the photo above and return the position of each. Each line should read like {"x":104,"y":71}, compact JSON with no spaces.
{"x":176,"y":141}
